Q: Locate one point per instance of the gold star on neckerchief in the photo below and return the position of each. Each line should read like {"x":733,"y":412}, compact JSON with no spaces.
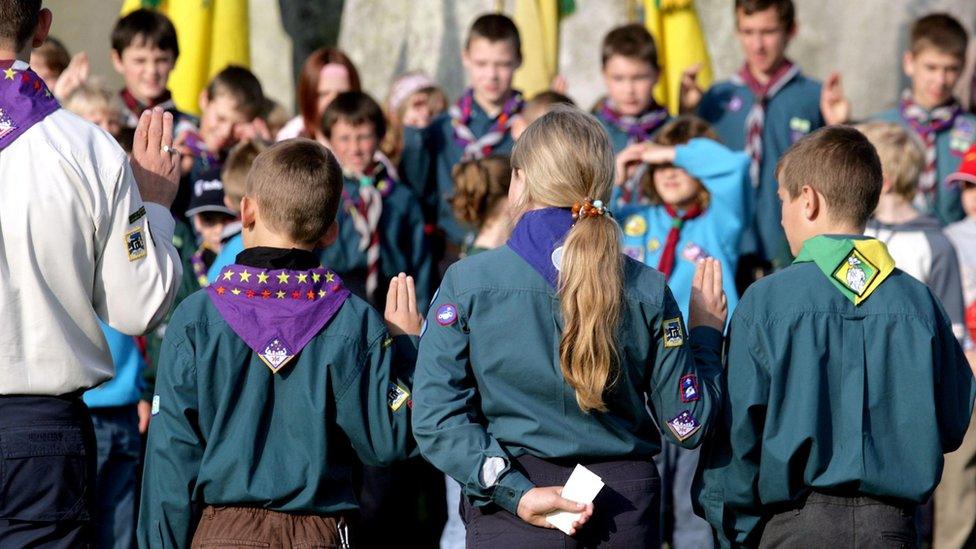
{"x":245,"y":276}
{"x":280,"y":294}
{"x":228,"y":275}
{"x":283,"y":278}
{"x":236,"y":291}
{"x":9,"y":73}
{"x":329,"y":277}
{"x":316,"y":277}
{"x":263,"y":278}
{"x":303,"y":278}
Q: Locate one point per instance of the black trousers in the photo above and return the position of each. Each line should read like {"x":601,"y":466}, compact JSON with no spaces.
{"x":625,"y":512}
{"x":836,"y":521}
{"x":47,"y":472}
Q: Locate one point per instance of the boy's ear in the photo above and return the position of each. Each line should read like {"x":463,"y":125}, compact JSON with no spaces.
{"x":886,"y":184}
{"x":43,"y":28}
{"x":908,"y":64}
{"x":249,"y":212}
{"x":791,"y":33}
{"x":204,"y":100}
{"x":330,"y":236}
{"x":812,"y":202}
{"x":116,"y":61}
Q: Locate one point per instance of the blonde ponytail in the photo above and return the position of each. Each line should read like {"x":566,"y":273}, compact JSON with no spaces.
{"x":566,"y":158}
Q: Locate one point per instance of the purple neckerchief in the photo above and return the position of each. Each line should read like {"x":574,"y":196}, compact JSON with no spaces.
{"x":277,"y":312}
{"x":638,"y":128}
{"x":24,"y":100}
{"x":538,"y":238}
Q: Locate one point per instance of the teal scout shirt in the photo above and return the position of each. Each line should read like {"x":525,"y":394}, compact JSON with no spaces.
{"x":790,"y":114}
{"x":950,"y":145}
{"x":489,"y":384}
{"x":619,"y":138}
{"x":403,"y":245}
{"x":227,"y":431}
{"x":824,"y":394}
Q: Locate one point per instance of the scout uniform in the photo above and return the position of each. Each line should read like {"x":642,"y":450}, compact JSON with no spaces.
{"x":465,"y":132}
{"x":846,"y":384}
{"x":77,"y":244}
{"x":381,"y":234}
{"x":946,"y":133}
{"x":673,"y":242}
{"x":276,"y":378}
{"x":626,"y":130}
{"x":494,"y":412}
{"x":764,"y":121}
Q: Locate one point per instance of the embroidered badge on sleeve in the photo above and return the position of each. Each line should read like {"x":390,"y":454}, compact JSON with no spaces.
{"x":396,"y":396}
{"x":446,"y":314}
{"x":135,"y":244}
{"x":155,"y":405}
{"x":689,"y":388}
{"x":137,"y":215}
{"x":674,"y":335}
{"x":683,"y":425}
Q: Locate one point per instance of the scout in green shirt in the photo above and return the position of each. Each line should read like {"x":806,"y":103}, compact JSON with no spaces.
{"x":845,"y":385}
{"x":543,"y":353}
{"x":274,"y":382}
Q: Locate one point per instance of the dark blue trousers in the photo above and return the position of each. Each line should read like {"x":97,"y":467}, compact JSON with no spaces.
{"x":625,"y":512}
{"x":47,"y":472}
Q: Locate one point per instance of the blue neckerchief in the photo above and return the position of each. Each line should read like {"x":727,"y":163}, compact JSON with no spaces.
{"x":537,"y":235}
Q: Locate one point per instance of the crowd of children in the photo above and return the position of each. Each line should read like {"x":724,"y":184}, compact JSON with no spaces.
{"x":577,"y":273}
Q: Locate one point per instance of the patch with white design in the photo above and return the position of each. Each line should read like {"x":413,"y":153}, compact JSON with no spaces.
{"x":446,"y":314}
{"x":135,"y":244}
{"x":155,"y":405}
{"x":683,"y":425}
{"x":276,"y":354}
{"x":674,"y":335}
{"x":689,"y":388}
{"x":396,"y":396}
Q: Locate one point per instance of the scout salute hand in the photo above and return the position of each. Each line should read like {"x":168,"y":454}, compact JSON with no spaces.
{"x":691,"y":93}
{"x":625,"y":161}
{"x":155,"y":163}
{"x":709,"y":306}
{"x":836,"y":109}
{"x":401,"y":313}
{"x":537,"y":503}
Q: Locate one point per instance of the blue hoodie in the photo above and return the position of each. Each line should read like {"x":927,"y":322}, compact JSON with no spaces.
{"x":124,"y":389}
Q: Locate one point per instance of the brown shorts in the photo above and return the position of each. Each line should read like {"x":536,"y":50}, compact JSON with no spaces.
{"x":226,"y":527}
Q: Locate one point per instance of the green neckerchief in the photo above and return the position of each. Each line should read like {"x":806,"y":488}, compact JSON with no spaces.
{"x":856,"y":267}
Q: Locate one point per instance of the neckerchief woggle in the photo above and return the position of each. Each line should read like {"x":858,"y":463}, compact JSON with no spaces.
{"x":277,"y":312}
{"x":474,"y":147}
{"x":25,"y":100}
{"x":538,"y":239}
{"x":856,"y":267}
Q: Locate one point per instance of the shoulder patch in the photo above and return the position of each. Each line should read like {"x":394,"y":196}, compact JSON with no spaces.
{"x":683,"y":425}
{"x":856,"y":273}
{"x":674,"y":335}
{"x":396,"y":396}
{"x":137,"y":215}
{"x":447,"y":314}
{"x":135,"y":244}
{"x":155,"y":405}
{"x":688,"y":387}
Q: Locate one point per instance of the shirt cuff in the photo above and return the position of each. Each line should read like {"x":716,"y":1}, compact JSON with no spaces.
{"x":708,"y":337}
{"x":405,"y":356}
{"x":161,"y":223}
{"x":510,"y":489}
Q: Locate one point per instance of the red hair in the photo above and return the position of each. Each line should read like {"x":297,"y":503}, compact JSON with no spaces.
{"x":308,"y":83}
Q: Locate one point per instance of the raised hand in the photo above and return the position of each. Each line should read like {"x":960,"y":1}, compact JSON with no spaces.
{"x":834,"y":106}
{"x":155,"y":163}
{"x":537,"y":503}
{"x":74,"y":75}
{"x":709,"y":305}
{"x":690,"y":94}
{"x":626,"y":160}
{"x":401,"y":314}
{"x":657,"y":154}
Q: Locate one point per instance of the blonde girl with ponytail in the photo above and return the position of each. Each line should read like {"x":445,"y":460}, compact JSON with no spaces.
{"x":546,"y":352}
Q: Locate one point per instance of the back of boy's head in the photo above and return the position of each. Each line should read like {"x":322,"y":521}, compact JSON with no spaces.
{"x":839,"y":163}
{"x":784,"y":9}
{"x":92,"y":95}
{"x":55,"y":55}
{"x":18,"y":19}
{"x":542,"y":102}
{"x":632,"y":41}
{"x":354,"y":108}
{"x":495,"y":27}
{"x":144,"y":27}
{"x":238,"y":164}
{"x":297,"y":184}
{"x":902,"y":159}
{"x":939,"y":31}
{"x":242,"y":86}
{"x":478,"y":187}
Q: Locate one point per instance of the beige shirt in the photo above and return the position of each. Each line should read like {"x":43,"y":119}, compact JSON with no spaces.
{"x":76,"y":243}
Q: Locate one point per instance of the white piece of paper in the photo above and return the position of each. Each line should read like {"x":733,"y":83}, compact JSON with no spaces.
{"x":582,"y":487}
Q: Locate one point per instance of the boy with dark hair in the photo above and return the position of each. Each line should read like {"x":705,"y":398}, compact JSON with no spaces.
{"x":276,"y":344}
{"x":763,"y":109}
{"x":478,"y":125}
{"x":144,"y":52}
{"x":934,"y":62}
{"x":844,"y":379}
{"x":381,"y":225}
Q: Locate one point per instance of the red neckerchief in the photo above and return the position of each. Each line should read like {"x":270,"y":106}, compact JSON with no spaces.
{"x":666,"y":265}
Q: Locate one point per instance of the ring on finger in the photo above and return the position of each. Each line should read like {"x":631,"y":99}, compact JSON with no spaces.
{"x":170,"y":150}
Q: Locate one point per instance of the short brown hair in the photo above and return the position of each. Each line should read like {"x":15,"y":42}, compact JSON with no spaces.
{"x":542,"y":102}
{"x":354,"y":108}
{"x":841,"y":164}
{"x":631,"y":41}
{"x":18,"y":19}
{"x":234,"y":172}
{"x":495,"y":27}
{"x":297,"y":184}
{"x":242,"y":86}
{"x":940,"y":31}
{"x":145,"y":27}
{"x":54,"y":54}
{"x":784,"y":9}
{"x":678,"y":131}
{"x":902,"y":159}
